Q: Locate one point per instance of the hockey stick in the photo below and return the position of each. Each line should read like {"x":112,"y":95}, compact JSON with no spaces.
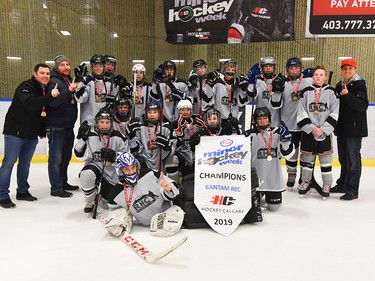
{"x":330,"y":77}
{"x":146,"y":254}
{"x":134,"y":93}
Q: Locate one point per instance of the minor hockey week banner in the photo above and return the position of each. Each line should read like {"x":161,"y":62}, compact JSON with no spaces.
{"x":222,"y":187}
{"x":340,"y":18}
{"x":214,"y":21}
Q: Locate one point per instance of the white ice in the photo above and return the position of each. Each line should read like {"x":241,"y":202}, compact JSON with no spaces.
{"x":308,"y":239}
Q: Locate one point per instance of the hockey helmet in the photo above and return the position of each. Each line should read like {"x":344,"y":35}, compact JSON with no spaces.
{"x":153,"y":105}
{"x":184,"y":104}
{"x":261,"y":112}
{"x":199,"y":63}
{"x":169,"y":64}
{"x":267,"y":60}
{"x":294,"y":61}
{"x":110,"y":59}
{"x":139,"y":68}
{"x":103,"y":114}
{"x":121,"y":114}
{"x":125,"y":160}
{"x":97,"y":59}
{"x":209,"y":114}
{"x":229,"y":64}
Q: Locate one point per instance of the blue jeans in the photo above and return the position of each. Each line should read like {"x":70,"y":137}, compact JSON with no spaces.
{"x":14,"y":148}
{"x":60,"y":141}
{"x":349,"y":152}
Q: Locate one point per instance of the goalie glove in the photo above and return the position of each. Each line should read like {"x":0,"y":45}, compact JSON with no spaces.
{"x":167,"y":223}
{"x":236,"y":33}
{"x":119,"y":220}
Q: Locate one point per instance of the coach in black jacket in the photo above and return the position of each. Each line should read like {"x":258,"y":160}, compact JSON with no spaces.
{"x":351,"y":128}
{"x":24,"y":122}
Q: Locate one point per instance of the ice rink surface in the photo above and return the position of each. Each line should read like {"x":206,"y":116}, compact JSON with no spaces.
{"x":308,"y":239}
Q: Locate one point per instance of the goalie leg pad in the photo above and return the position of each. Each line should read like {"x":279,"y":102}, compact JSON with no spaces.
{"x":167,"y":223}
{"x":118,"y":221}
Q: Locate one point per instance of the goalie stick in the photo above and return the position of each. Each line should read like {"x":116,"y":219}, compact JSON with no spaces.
{"x":146,"y":254}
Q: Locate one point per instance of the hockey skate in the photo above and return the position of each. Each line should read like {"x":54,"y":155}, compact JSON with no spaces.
{"x":304,"y":189}
{"x":89,"y":207}
{"x":291,"y":180}
{"x":325,"y":191}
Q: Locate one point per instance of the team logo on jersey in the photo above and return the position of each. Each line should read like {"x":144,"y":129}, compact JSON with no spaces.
{"x":144,"y":201}
{"x":265,"y":95}
{"x":263,"y":153}
{"x":225,"y":101}
{"x":321,"y":107}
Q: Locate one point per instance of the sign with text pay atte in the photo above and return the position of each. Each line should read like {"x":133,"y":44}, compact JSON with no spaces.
{"x":222,"y":187}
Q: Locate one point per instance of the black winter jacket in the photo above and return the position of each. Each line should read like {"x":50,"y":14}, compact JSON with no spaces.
{"x":352,"y":122}
{"x":23,"y":118}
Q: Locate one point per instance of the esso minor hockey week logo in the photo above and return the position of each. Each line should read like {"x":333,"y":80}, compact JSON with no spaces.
{"x":210,"y":10}
{"x":226,"y":142}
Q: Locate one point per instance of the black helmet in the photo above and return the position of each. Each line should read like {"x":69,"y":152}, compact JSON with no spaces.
{"x":97,"y":59}
{"x":261,"y":112}
{"x":199,"y":63}
{"x":103,"y":114}
{"x":294,"y":61}
{"x":120,"y":115}
{"x":212,"y":112}
{"x":110,"y":59}
{"x":169,"y":64}
{"x":153,"y":105}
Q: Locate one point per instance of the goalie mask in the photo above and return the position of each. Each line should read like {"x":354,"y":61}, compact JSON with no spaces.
{"x":212,"y":120}
{"x":123,"y":109}
{"x":127,"y":168}
{"x":104,"y":122}
{"x":262,"y":117}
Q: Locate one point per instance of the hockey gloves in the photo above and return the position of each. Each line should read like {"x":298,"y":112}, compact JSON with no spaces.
{"x":108,"y":155}
{"x":253,"y":73}
{"x":121,"y":81}
{"x":242,"y":82}
{"x":194,"y":140}
{"x":80,"y":72}
{"x":167,"y":223}
{"x":83,"y":131}
{"x":212,"y":77}
{"x":284,"y":133}
{"x":181,"y":124}
{"x":236,"y":33}
{"x":193,"y":79}
{"x":177,"y":93}
{"x":159,"y":74}
{"x":119,"y":220}
{"x":134,"y":126}
{"x":278,"y":84}
{"x":162,"y":141}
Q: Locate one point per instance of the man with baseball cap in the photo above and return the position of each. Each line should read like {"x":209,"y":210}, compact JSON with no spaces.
{"x":351,"y":128}
{"x":61,"y":115}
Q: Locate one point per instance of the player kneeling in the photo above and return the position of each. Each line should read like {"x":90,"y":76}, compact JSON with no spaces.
{"x":145,"y":195}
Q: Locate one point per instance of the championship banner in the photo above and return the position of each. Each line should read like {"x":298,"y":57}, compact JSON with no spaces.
{"x":214,"y":21}
{"x":340,"y":18}
{"x":222,"y":186}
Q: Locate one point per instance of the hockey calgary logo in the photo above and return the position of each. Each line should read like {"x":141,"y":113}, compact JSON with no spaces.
{"x":200,"y":10}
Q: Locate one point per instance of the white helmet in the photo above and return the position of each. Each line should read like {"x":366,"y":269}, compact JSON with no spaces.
{"x":267,"y":60}
{"x":184,"y":104}
{"x":139,"y":68}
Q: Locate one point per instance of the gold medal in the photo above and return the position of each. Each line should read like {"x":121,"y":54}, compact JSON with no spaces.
{"x":316,"y":112}
{"x":43,"y":114}
{"x":269,"y":158}
{"x":139,"y":105}
{"x":295,"y":98}
{"x":167,"y":100}
{"x":151,"y":153}
{"x":72,"y":102}
{"x":99,"y":99}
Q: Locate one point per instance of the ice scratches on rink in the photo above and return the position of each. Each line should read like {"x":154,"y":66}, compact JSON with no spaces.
{"x":306,"y":240}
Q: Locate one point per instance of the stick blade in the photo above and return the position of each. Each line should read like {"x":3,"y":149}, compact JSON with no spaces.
{"x":154,"y":257}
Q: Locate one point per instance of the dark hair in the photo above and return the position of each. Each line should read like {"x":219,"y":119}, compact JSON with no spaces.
{"x":39,"y":65}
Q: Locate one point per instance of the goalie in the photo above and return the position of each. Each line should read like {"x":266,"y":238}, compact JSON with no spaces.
{"x":145,"y":195}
